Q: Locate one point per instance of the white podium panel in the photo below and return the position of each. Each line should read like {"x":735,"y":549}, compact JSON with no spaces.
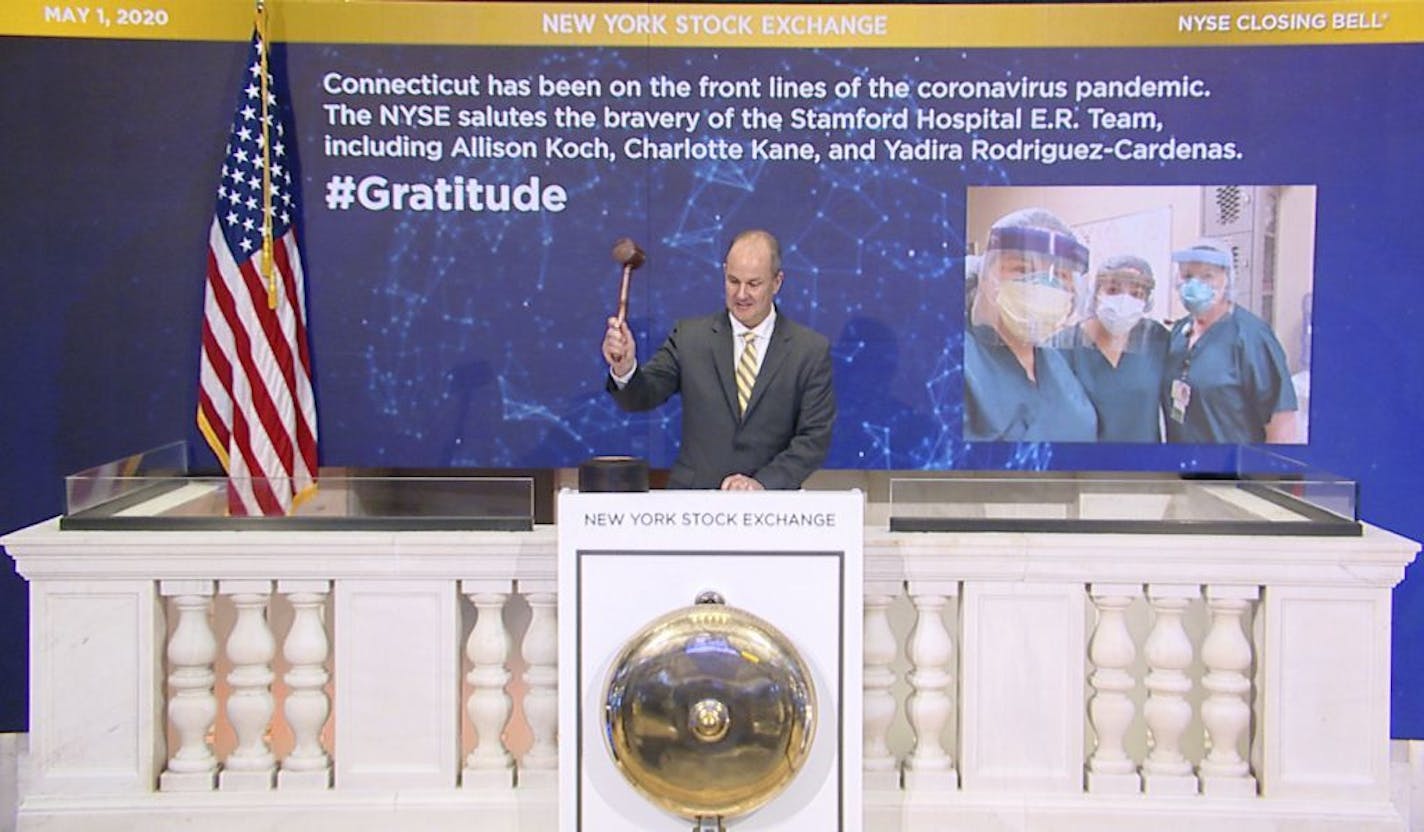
{"x":1326,"y":693}
{"x":790,"y":558}
{"x":397,"y":642}
{"x":98,"y":736}
{"x":1023,"y":687}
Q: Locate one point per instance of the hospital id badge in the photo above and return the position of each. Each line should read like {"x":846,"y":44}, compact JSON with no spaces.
{"x":1181,"y":397}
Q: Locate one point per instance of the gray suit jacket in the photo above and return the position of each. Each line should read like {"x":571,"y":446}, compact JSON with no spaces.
{"x":787,"y":428}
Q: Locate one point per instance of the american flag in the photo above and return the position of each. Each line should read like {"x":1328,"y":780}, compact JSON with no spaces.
{"x":255,"y":402}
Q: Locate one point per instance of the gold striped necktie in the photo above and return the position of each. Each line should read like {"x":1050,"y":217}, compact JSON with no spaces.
{"x":746,"y":371}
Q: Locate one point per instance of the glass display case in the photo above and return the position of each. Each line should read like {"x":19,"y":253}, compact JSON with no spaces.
{"x":157,"y":490}
{"x":1267,"y":494}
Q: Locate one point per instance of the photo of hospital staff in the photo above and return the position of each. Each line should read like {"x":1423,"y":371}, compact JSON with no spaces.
{"x":1146,"y":313}
{"x":1017,"y":386}
{"x":1119,"y":354}
{"x":1228,"y":380}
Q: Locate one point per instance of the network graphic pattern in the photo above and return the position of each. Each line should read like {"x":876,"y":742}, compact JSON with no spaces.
{"x":474,"y":337}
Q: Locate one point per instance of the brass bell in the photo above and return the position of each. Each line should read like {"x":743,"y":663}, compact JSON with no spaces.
{"x":709,"y":711}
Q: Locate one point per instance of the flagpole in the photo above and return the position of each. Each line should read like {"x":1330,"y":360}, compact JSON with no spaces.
{"x":268,"y":274}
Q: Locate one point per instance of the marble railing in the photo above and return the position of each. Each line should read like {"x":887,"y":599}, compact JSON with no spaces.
{"x":384,"y":680}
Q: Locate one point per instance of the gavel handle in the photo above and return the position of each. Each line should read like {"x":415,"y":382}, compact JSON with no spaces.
{"x":623,"y":294}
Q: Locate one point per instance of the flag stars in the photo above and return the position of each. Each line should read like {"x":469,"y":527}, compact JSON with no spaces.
{"x":256,"y":181}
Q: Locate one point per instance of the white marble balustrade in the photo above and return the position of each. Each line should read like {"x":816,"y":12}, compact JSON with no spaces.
{"x":364,"y":680}
{"x":1128,"y":682}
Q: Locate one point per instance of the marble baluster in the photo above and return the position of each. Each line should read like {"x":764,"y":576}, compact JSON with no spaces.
{"x":881,"y":767}
{"x":540,"y":764}
{"x":250,"y":647}
{"x":1258,"y":680}
{"x":192,"y":705}
{"x":489,"y":765}
{"x":1226,"y":713}
{"x":1168,"y":713}
{"x":306,"y":706}
{"x":931,"y":704}
{"x":1111,"y":710}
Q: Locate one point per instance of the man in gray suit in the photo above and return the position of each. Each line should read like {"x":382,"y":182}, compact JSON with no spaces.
{"x":750,"y":351}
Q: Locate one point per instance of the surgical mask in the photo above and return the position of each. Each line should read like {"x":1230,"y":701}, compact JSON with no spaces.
{"x":1120,"y":313}
{"x":1197,"y":295}
{"x":1034,"y":308}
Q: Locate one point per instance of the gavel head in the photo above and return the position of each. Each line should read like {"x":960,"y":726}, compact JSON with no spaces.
{"x":627,"y":253}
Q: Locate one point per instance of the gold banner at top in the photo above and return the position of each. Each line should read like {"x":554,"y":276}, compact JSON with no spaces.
{"x":732,"y":26}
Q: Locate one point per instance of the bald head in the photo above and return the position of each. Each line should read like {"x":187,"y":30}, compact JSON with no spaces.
{"x":759,"y":237}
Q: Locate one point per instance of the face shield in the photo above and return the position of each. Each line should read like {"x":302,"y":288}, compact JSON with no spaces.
{"x":1204,"y":275}
{"x":1027,"y":282}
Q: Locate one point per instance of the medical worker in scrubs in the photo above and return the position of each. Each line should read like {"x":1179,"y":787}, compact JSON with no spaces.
{"x":1119,"y":354}
{"x":1018,"y":388}
{"x":1227,"y":379}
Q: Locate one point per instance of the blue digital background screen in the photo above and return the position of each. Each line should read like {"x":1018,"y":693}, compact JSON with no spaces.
{"x":472,"y":338}
{"x":479,"y":332}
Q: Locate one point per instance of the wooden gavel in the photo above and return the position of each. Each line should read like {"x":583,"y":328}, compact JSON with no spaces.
{"x":627,"y":254}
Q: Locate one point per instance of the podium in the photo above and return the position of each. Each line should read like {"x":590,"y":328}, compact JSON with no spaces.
{"x":790,"y":558}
